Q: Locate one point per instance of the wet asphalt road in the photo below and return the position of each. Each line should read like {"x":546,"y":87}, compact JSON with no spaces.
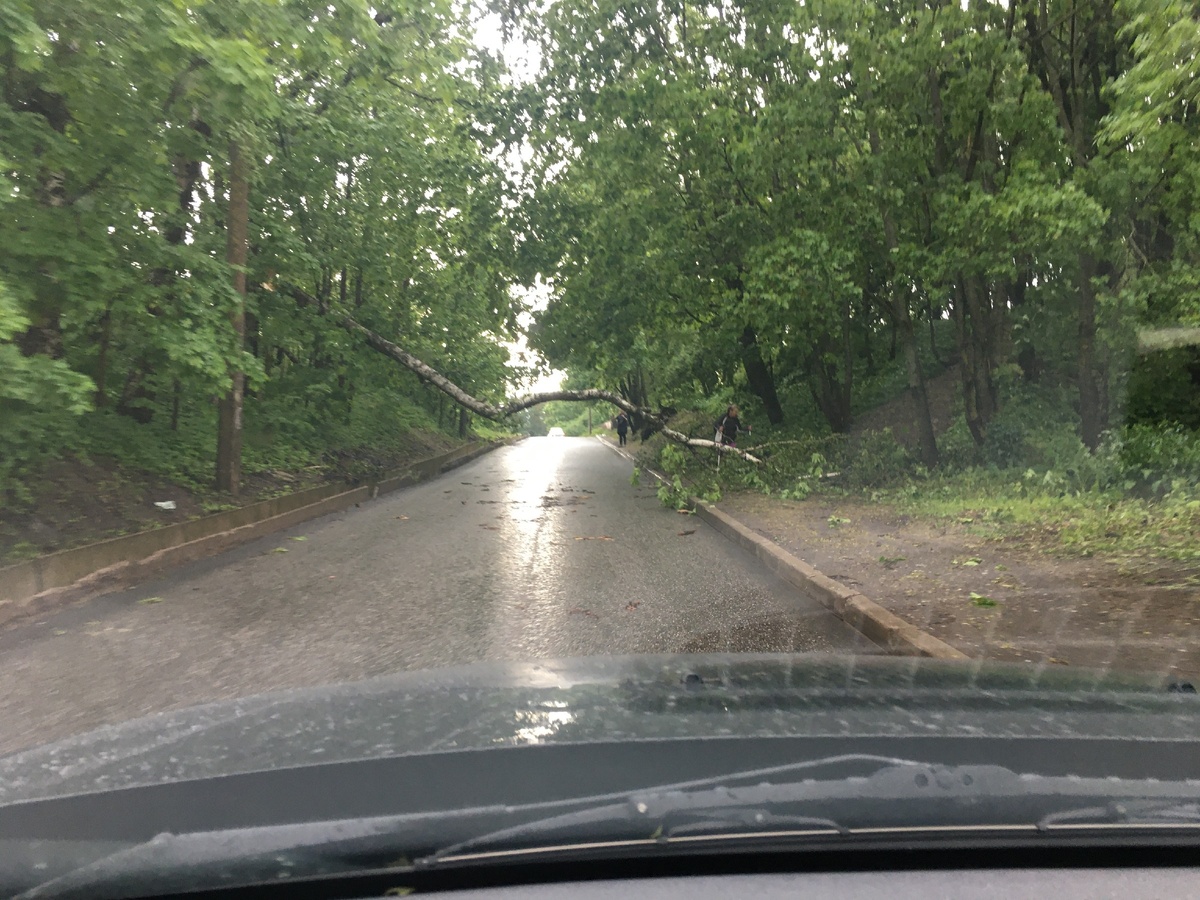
{"x":542,"y":549}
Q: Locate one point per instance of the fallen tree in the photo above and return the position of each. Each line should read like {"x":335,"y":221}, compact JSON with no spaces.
{"x":495,"y":413}
{"x":489,"y":411}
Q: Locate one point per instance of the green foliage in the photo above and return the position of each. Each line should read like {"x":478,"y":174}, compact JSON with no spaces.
{"x":375,"y":186}
{"x":673,"y":492}
{"x":1165,"y":387}
{"x":1154,"y":454}
{"x":718,"y":211}
{"x":1081,"y":523}
{"x":877,"y":460}
{"x":806,"y":479}
{"x":40,"y":402}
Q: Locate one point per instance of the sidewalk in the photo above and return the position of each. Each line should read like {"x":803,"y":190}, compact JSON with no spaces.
{"x":992,"y":598}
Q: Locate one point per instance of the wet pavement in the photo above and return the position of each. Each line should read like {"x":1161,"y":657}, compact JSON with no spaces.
{"x":538,"y":550}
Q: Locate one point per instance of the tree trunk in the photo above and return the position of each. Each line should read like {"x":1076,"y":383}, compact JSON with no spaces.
{"x":868,"y":320}
{"x":1091,"y":411}
{"x":759,"y":377}
{"x":102,"y":363}
{"x":904,"y":333}
{"x":176,"y":396}
{"x":229,"y":417}
{"x":973,"y":331}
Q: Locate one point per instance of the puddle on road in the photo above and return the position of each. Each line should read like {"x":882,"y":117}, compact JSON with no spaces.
{"x":767,"y":634}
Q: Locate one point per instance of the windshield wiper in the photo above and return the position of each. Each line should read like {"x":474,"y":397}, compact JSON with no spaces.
{"x":247,"y":854}
{"x":1118,"y":815}
{"x":810,"y":803}
{"x":905,"y":797}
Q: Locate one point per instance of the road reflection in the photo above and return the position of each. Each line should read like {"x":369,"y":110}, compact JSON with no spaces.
{"x":531,"y":474}
{"x":524,"y":625}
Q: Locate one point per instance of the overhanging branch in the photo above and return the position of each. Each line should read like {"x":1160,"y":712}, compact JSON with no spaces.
{"x":489,"y":411}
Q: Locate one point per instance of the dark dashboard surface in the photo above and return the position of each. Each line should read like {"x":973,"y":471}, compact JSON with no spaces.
{"x":998,"y":884}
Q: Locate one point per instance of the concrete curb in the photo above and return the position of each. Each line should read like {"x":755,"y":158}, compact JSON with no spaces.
{"x":33,"y":587}
{"x":866,"y":616}
{"x":884,"y":628}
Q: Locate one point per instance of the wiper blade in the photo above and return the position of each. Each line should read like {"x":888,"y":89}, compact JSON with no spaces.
{"x":834,"y":798}
{"x":899,"y":797}
{"x":246,"y":854}
{"x":1117,"y":815}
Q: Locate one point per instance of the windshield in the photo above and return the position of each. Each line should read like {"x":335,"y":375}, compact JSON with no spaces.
{"x":345,"y":345}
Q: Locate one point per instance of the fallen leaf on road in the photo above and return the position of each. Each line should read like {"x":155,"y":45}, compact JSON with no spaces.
{"x":594,"y":537}
{"x":584,"y":612}
{"x":59,"y":632}
{"x":401,"y":517}
{"x":280,"y":550}
{"x":632,"y":605}
{"x":300,"y":537}
{"x":686,"y":533}
{"x":150,"y":600}
{"x":980,"y":600}
{"x":686,"y":512}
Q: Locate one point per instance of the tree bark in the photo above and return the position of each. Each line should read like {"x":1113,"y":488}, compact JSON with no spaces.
{"x":102,"y":363}
{"x":1091,"y":407}
{"x":759,"y":377}
{"x":229,"y":418}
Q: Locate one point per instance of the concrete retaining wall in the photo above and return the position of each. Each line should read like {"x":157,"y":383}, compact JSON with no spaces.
{"x":31,"y":587}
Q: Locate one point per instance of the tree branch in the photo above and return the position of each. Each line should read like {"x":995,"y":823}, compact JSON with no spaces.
{"x":496,"y":413}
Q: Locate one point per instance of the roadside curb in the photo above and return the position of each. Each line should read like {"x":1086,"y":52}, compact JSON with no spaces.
{"x":861,"y":613}
{"x":885,"y":628}
{"x":70,"y":576}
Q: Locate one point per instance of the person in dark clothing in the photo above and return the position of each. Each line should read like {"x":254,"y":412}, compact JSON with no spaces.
{"x":728,"y":426}
{"x":622,"y":423}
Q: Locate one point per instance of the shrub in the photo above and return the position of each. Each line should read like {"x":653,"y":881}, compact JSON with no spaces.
{"x":1153,"y":452}
{"x":878,"y":460}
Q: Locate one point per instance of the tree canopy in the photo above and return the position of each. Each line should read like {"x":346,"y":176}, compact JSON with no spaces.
{"x":763,"y":198}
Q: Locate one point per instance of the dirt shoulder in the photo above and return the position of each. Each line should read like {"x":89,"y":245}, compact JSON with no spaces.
{"x":79,"y":501}
{"x":994,"y":598}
